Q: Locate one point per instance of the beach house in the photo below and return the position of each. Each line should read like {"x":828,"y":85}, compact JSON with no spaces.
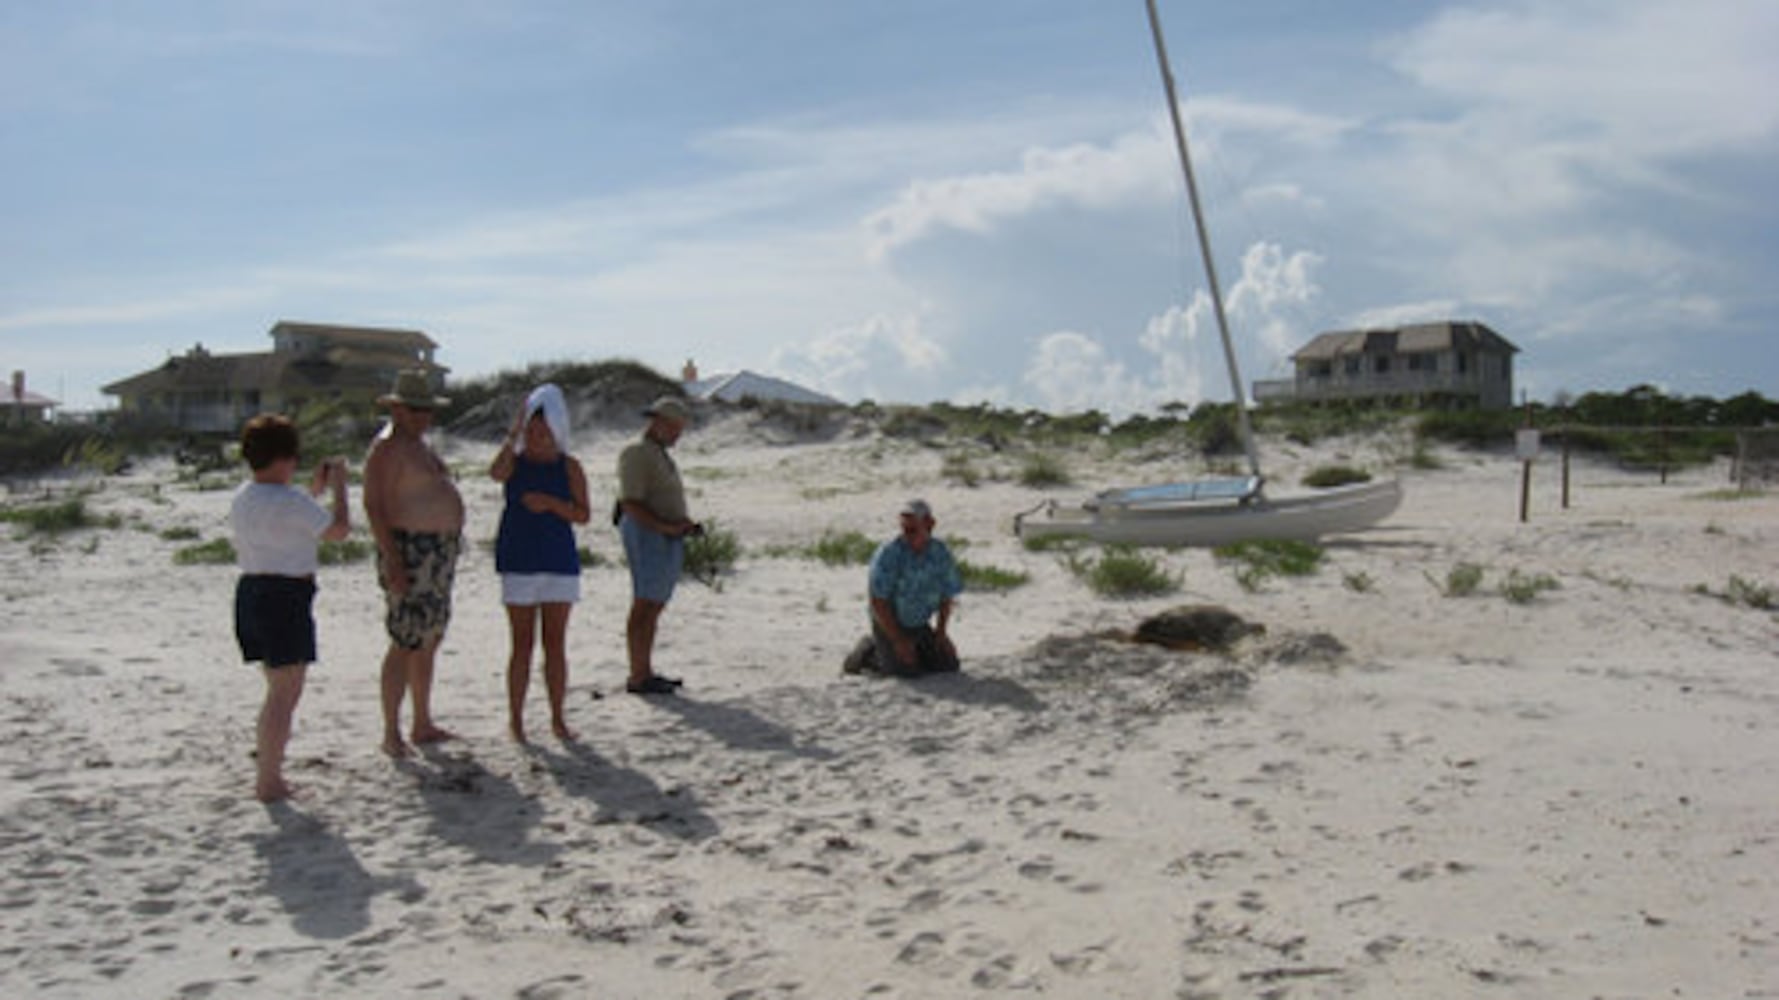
{"x":742,"y":386}
{"x":308,"y":363}
{"x":1452,"y":364}
{"x":20,"y":405}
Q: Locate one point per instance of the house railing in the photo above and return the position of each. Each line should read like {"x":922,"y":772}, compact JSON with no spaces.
{"x":1274,"y":390}
{"x":1365,"y":386}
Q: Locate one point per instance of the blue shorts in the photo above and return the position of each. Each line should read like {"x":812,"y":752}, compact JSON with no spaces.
{"x":274,"y":619}
{"x":655,"y":560}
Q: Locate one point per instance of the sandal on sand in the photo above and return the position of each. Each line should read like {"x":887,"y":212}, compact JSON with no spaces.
{"x":655,"y":684}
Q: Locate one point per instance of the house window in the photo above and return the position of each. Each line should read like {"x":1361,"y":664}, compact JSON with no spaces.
{"x":1381,"y":364}
{"x":1319,"y":369}
{"x":1352,"y":366}
{"x":1423,"y":362}
{"x":1463,"y":363}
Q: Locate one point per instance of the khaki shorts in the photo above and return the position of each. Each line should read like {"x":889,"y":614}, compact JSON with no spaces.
{"x":418,"y":618}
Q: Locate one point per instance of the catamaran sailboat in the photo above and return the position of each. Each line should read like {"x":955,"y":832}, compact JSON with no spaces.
{"x":1218,"y":511}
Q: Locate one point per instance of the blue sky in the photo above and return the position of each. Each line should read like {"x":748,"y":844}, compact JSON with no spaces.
{"x":915,"y":201}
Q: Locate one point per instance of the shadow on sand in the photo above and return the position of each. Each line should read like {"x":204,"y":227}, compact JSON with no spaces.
{"x":477,"y":809}
{"x":316,"y":877}
{"x":740,"y":728}
{"x":622,"y":794}
{"x":966,"y":688}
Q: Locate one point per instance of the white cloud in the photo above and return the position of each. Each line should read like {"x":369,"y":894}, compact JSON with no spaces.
{"x":1214,"y":118}
{"x":1286,"y":194}
{"x":1651,"y":76}
{"x":869,"y":360}
{"x":1071,"y":372}
{"x":1404,"y":313}
{"x":1135,"y":167}
{"x":1274,"y":289}
{"x":173,"y":306}
{"x":1173,"y":343}
{"x":1079,"y":174}
{"x":1178,"y":356}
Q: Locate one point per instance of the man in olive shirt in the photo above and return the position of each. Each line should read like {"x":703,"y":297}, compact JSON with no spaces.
{"x":654,"y":525}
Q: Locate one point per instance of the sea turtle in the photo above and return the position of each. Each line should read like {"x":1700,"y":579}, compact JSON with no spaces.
{"x":1196,"y":626}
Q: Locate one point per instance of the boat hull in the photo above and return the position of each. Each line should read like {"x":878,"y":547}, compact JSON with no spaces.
{"x":1304,"y":518}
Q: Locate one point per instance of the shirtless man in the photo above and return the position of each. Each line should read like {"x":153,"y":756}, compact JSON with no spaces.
{"x":416,"y":516}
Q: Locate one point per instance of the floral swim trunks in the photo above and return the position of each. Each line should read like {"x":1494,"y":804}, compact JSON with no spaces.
{"x":418,"y":617}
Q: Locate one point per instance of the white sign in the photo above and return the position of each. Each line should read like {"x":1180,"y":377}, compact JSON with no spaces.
{"x":1525,"y":445}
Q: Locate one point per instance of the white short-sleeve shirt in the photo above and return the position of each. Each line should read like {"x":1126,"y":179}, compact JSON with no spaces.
{"x":276,"y":529}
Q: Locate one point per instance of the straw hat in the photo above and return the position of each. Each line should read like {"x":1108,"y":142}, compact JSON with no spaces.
{"x":413,"y":389}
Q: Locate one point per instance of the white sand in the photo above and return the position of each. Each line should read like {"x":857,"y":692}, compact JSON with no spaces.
{"x":1569,"y":798}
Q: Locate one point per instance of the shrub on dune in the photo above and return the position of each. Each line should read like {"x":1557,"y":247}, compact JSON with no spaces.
{"x":1043,"y":469}
{"x":1327,"y":476}
{"x":1122,"y":571}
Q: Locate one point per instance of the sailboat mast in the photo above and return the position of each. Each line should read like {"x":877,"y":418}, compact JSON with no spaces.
{"x":1204,"y":244}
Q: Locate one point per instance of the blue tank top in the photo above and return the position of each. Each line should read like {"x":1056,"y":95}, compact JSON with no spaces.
{"x":531,"y":542}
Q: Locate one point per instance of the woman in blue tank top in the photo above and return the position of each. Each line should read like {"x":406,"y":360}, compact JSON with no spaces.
{"x":535,"y":552}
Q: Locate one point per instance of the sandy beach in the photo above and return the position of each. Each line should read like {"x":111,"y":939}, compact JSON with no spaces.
{"x":1457,"y":796}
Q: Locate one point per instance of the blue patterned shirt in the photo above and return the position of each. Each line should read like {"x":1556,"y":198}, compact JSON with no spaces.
{"x":915,"y":584}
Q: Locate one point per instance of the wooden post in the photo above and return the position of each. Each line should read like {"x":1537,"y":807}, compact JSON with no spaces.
{"x":1526,"y":474}
{"x":1565,"y":466}
{"x":1662,"y":452}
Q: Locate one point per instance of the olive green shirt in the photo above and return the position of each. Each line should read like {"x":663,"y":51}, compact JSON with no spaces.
{"x":647,"y":475}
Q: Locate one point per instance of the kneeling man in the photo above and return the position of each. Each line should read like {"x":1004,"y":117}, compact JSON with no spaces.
{"x":913,"y":582}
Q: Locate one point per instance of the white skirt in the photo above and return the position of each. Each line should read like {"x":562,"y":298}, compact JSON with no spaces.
{"x":530,"y":589}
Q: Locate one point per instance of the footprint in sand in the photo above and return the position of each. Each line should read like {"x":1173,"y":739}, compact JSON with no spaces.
{"x":1088,"y":961}
{"x":922,"y":949}
{"x":554,"y":988}
{"x":67,"y":667}
{"x":997,"y":974}
{"x":153,"y":907}
{"x":1428,"y":869}
{"x":924,"y":901}
{"x":217,"y":987}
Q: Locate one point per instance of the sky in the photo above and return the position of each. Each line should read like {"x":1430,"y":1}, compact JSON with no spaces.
{"x":909,"y":202}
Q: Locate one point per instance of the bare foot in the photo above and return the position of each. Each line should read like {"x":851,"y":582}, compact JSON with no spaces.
{"x":518,"y":733}
{"x":563,"y":733}
{"x":276,"y":791}
{"x":397,"y":749}
{"x":432,"y":734}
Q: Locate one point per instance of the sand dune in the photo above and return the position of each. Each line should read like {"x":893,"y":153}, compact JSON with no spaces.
{"x":1570,"y":797}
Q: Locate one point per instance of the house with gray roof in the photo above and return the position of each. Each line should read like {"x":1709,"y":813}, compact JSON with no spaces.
{"x":1453,"y":364}
{"x":308,"y":363}
{"x":738,"y":387}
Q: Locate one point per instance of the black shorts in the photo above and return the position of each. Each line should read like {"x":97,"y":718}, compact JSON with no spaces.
{"x":274,"y":620}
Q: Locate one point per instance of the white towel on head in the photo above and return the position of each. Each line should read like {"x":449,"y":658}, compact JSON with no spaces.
{"x":549,"y":399}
